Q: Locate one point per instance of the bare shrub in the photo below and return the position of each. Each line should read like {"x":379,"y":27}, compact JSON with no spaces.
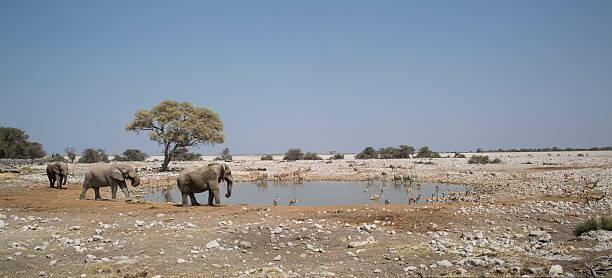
{"x":312,"y":156}
{"x":267,"y":157}
{"x":294,"y":154}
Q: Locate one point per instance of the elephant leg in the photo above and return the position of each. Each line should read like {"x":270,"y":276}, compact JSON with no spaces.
{"x":125,"y":192}
{"x":194,"y":202}
{"x":59,"y":181}
{"x":214,"y":192}
{"x":52,"y":180}
{"x":97,"y":192}
{"x":184,"y":195}
{"x":210,"y":198}
{"x":83,"y":192}
{"x":114,"y":192}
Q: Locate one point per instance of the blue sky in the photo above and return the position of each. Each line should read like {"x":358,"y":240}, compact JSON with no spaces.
{"x":316,"y":75}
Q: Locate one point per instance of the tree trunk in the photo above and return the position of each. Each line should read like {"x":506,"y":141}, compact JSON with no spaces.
{"x":167,"y":157}
{"x":165,"y":164}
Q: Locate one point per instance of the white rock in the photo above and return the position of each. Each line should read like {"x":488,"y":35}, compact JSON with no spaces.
{"x":180,"y":261}
{"x":212,"y":244}
{"x":444,"y":263}
{"x":555,"y":270}
{"x":90,"y":258}
{"x":244,"y":245}
{"x":126,"y":261}
{"x":277,"y":258}
{"x":410,"y":268}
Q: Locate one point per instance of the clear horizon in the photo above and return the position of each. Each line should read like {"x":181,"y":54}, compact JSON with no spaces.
{"x":319,"y":76}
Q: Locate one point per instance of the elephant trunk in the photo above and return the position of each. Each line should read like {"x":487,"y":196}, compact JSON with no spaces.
{"x":136,"y":180}
{"x":229,"y":187}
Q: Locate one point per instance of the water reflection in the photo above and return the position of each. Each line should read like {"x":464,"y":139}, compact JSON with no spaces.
{"x":267,"y":193}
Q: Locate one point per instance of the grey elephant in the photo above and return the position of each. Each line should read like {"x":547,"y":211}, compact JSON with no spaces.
{"x":113,"y":175}
{"x":199,"y":179}
{"x":57,"y":171}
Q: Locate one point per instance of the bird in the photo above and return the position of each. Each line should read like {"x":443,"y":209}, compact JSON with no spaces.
{"x":382,"y":190}
{"x":292,"y":202}
{"x":387,"y":202}
{"x":374,"y":197}
{"x":276,"y":200}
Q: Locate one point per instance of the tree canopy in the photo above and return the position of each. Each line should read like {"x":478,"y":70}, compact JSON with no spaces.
{"x":14,"y":144}
{"x":174,"y":124}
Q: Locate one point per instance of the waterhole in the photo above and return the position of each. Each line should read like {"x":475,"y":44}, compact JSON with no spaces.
{"x":326,"y":193}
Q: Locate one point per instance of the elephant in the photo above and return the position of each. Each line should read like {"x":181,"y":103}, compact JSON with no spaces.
{"x":113,"y":175}
{"x":57,"y":171}
{"x":199,"y":179}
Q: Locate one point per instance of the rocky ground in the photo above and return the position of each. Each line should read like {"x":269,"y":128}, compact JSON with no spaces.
{"x":537,"y":199}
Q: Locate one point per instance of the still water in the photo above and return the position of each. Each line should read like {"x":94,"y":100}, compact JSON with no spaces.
{"x":325,"y":193}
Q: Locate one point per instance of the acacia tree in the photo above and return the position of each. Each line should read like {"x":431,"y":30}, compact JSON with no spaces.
{"x":177,"y":125}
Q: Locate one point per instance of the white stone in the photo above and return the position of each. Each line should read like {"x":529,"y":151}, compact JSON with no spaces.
{"x":555,"y":270}
{"x":212,"y":244}
{"x":444,"y":263}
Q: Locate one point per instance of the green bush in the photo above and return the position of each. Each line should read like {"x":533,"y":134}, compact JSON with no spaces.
{"x":312,"y":156}
{"x":183,"y":154}
{"x":90,"y":155}
{"x":131,"y":155}
{"x":459,"y":155}
{"x":425,"y":152}
{"x":294,"y":154}
{"x":586,"y":226}
{"x":404,"y":151}
{"x":606,"y":223}
{"x":338,"y":156}
{"x":267,"y":157}
{"x":479,"y":159}
{"x":367,"y":153}
{"x":482,"y":159}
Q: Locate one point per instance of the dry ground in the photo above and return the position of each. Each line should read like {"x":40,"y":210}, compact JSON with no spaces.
{"x":48,"y":232}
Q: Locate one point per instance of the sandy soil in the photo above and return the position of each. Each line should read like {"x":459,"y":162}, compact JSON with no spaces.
{"x":526,"y":229}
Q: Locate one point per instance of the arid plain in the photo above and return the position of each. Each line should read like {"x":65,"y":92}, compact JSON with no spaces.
{"x":519,"y":220}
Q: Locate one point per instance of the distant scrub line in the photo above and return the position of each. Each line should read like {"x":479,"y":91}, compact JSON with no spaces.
{"x":553,"y":149}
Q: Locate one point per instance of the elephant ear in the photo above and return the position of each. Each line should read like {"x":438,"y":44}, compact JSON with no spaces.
{"x":116,"y":174}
